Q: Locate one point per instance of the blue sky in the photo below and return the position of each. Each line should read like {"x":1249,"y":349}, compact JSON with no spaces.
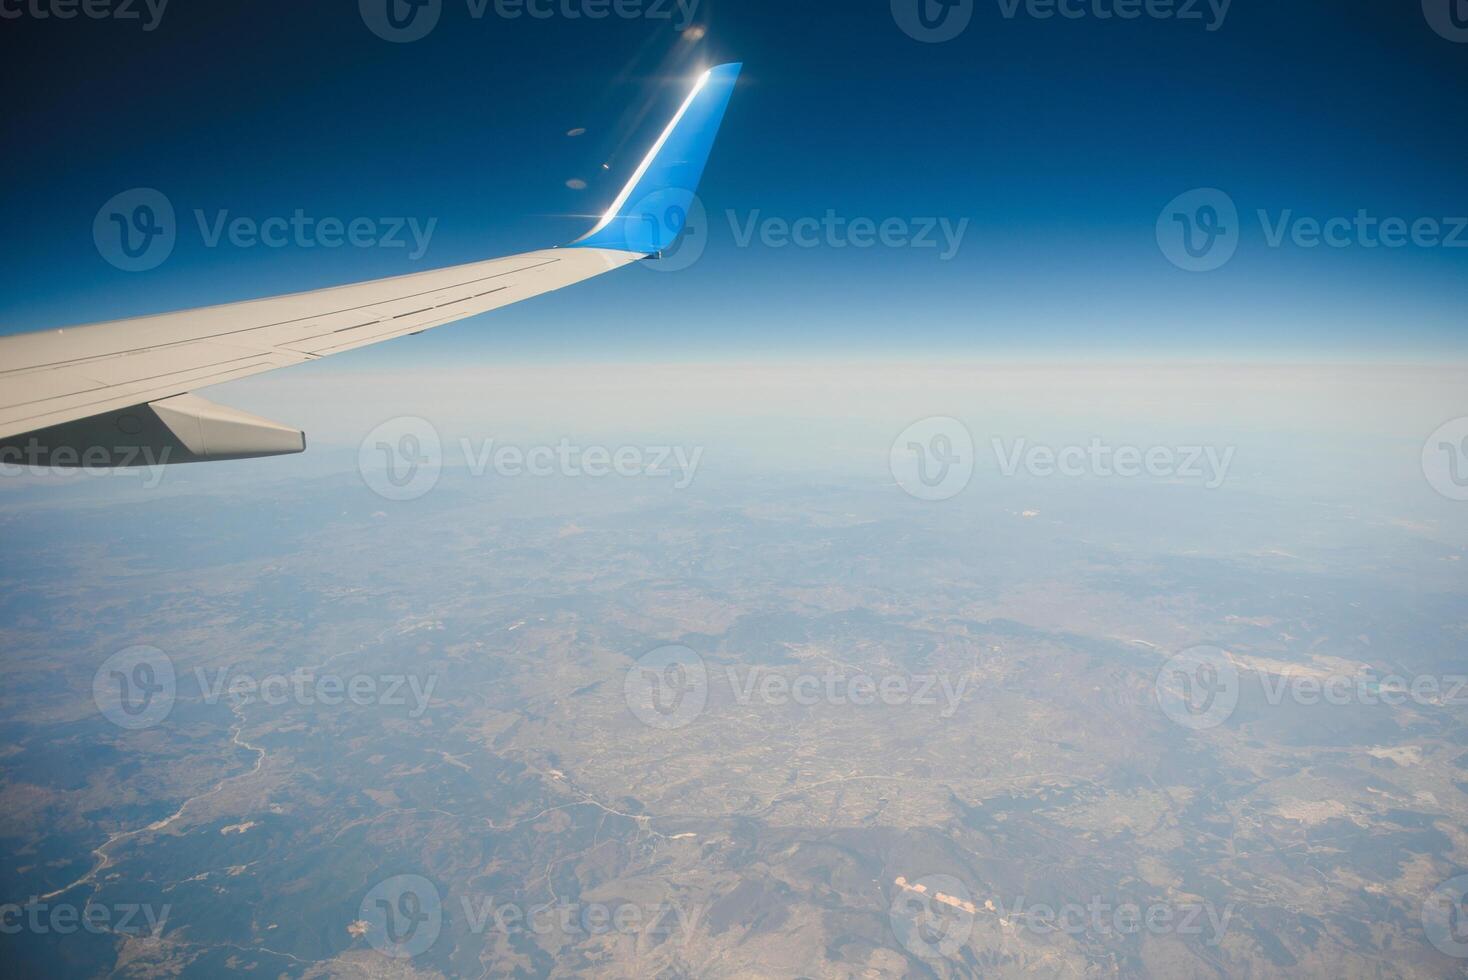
{"x":1055,"y":143}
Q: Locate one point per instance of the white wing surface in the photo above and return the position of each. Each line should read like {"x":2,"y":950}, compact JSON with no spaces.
{"x":119,"y":393}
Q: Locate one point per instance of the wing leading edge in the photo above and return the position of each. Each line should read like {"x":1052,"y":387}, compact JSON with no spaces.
{"x":119,"y":393}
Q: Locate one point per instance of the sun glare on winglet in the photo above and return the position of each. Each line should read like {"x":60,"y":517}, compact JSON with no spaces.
{"x":665,"y":181}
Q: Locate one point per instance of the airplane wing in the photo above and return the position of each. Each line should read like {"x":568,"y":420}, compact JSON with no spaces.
{"x":120,"y":393}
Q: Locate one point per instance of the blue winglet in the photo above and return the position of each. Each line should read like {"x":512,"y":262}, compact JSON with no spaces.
{"x":649,"y":214}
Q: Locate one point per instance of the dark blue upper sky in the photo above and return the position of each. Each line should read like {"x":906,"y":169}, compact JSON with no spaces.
{"x":1061,"y":141}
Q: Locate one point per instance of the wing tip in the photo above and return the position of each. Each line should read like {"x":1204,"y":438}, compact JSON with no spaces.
{"x":647,"y":216}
